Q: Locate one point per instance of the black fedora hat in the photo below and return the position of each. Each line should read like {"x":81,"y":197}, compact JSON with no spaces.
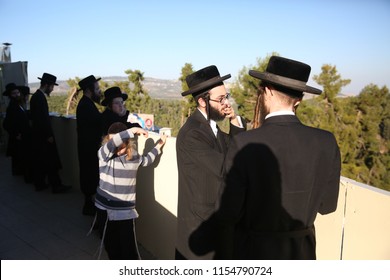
{"x":203,"y":80}
{"x":287,"y":73}
{"x":49,"y":79}
{"x":9,"y":88}
{"x":84,"y":83}
{"x":111,"y":93}
{"x":24,"y":90}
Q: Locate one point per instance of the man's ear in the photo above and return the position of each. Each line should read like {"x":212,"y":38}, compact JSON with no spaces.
{"x":202,"y":102}
{"x":268,"y":90}
{"x":297,"y":102}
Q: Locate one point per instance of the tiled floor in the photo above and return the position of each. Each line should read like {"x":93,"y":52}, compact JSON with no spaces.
{"x":42,"y":225}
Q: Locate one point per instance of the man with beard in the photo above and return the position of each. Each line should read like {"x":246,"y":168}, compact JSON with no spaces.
{"x":47,"y":160}
{"x":279,"y":176}
{"x":201,"y":148}
{"x":89,"y":138}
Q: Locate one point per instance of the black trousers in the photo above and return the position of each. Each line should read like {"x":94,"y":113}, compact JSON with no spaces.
{"x":119,"y":237}
{"x":89,"y":171}
{"x":47,"y":164}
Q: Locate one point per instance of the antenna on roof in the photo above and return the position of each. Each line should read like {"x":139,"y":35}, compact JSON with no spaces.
{"x":6,"y":52}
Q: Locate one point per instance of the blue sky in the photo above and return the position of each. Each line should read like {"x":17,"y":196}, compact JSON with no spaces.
{"x":77,"y":38}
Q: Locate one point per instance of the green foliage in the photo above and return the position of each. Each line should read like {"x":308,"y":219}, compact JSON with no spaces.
{"x":57,"y":104}
{"x":361,"y":126}
{"x":188,"y":103}
{"x":138,"y":96}
{"x":167,"y":113}
{"x":331,"y":82}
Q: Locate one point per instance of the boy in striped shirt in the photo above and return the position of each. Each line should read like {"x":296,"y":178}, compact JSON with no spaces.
{"x":116,"y":195}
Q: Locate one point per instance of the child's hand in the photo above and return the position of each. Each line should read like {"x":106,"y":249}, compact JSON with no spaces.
{"x":139,"y":131}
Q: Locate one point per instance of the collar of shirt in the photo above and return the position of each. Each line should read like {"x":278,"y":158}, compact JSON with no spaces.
{"x":213,"y":124}
{"x":280,"y":113}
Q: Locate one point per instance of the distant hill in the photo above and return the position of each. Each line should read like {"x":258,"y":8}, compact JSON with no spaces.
{"x":157,"y":88}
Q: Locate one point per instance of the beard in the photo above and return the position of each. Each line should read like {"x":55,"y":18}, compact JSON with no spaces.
{"x":96,"y":98}
{"x":215,"y":115}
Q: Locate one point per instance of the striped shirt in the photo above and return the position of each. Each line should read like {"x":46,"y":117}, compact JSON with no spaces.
{"x":117,"y":186}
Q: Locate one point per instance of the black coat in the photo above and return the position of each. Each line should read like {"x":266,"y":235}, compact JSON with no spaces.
{"x":200,"y":157}
{"x":45,"y":153}
{"x":89,"y":139}
{"x":278,"y":178}
{"x":17,"y":123}
{"x":109,"y":117}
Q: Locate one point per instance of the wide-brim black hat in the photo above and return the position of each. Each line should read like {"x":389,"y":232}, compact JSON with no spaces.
{"x":87,"y":81}
{"x":24,"y":90}
{"x":49,"y":79}
{"x":111,"y":93}
{"x":287,"y":73}
{"x":9,"y":88}
{"x":203,"y":80}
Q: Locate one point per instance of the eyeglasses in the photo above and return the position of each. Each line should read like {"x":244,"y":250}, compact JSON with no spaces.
{"x":222,"y":99}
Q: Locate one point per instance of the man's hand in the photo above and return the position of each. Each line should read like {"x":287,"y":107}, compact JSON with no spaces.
{"x":229,"y":113}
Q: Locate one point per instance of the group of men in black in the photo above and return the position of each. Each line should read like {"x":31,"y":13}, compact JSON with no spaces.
{"x":31,"y":141}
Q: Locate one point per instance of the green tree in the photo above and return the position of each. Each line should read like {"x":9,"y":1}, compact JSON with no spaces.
{"x":188,"y":104}
{"x":328,"y":112}
{"x":57,"y":104}
{"x":331,"y":82}
{"x":360,"y":129}
{"x":373,"y":107}
{"x":138,"y":96}
{"x":73,"y":96}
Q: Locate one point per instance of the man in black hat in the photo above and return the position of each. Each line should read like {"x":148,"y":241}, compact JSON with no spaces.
{"x":201,"y":148}
{"x":89,"y":138}
{"x":115,"y":111}
{"x":47,"y":160}
{"x":279,"y":176}
{"x":17,"y":124}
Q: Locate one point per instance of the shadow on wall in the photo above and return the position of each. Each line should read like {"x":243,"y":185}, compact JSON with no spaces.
{"x":156,"y":226}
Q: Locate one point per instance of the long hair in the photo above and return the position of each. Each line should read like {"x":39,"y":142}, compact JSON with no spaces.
{"x":130,"y":146}
{"x":115,"y":128}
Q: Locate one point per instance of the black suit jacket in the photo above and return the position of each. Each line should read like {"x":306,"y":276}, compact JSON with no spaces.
{"x":17,"y":123}
{"x":279,"y":177}
{"x":109,"y":117}
{"x":200,"y":157}
{"x":46,"y":153}
{"x":89,"y":139}
{"x":41,"y":124}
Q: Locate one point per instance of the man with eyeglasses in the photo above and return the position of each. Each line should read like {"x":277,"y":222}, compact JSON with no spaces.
{"x":201,"y":147}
